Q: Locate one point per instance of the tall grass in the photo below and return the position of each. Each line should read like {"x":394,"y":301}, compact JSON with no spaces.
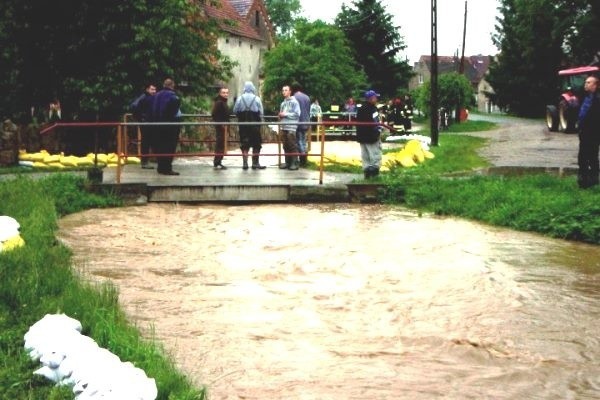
{"x":38,"y":279}
{"x":540,"y":203}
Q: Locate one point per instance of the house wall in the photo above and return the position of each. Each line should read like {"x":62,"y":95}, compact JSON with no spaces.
{"x":248,"y":54}
{"x":483,"y":102}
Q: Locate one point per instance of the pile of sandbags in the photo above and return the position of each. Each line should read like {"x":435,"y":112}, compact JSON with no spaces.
{"x":45,"y":160}
{"x":10,"y":237}
{"x":72,"y":359}
{"x":414,"y":152}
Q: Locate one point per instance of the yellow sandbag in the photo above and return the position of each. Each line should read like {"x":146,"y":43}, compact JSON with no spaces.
{"x":418,"y":156}
{"x":69,"y":161}
{"x":407,"y":162}
{"x":40,"y":165}
{"x":103,"y":158}
{"x":428,"y":155}
{"x":413,"y":145}
{"x":112,"y":158}
{"x":56,"y":165}
{"x":12,"y":243}
{"x":37,"y":156}
{"x":84,"y":161}
{"x":51,"y":158}
{"x":133,"y":160}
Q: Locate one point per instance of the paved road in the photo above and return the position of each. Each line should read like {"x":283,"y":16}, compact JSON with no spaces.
{"x":527,"y":143}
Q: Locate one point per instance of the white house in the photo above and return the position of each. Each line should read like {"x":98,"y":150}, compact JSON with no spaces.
{"x":247,"y":36}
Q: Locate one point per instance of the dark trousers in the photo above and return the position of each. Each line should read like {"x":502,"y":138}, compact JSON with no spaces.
{"x":166,"y":143}
{"x":290,"y":145}
{"x":147,"y":141}
{"x":250,"y":137}
{"x":587,"y":159}
{"x":219,"y":144}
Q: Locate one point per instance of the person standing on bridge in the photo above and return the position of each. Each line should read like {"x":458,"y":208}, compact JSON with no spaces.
{"x":289,"y":114}
{"x":166,"y":108}
{"x":302,"y":129}
{"x":220,"y":113}
{"x":589,"y":135}
{"x":248,"y":108}
{"x":369,"y":135}
{"x":141,"y":108}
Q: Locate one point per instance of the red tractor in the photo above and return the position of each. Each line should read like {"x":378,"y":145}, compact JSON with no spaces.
{"x":563,"y":116}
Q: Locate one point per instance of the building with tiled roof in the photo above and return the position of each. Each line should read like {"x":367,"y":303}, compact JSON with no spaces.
{"x":247,"y":34}
{"x":475,"y":69}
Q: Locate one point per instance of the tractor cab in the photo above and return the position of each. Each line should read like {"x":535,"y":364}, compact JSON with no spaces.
{"x":562,"y":116}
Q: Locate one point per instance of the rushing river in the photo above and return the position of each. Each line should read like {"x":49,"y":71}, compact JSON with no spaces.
{"x":351,"y":301}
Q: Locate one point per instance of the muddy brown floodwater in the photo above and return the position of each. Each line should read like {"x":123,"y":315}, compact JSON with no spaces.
{"x":351,"y":301}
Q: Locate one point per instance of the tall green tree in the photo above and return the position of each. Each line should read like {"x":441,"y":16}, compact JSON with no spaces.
{"x":582,"y":31}
{"x":537,"y":38}
{"x":319,"y":57}
{"x":283,"y":14}
{"x":96,"y":55}
{"x":376,"y":43}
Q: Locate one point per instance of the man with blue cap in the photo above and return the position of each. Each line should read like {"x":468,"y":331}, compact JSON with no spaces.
{"x":369,"y":135}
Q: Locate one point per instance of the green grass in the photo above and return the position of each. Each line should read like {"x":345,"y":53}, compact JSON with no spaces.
{"x":540,"y":203}
{"x":38,"y":279}
{"x":546,"y":204}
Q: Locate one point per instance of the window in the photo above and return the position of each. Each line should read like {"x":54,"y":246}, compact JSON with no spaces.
{"x":256,"y":18}
{"x":420,"y":79}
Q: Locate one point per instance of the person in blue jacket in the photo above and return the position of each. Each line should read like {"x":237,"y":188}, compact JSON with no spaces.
{"x":589,"y":135}
{"x":166,"y":108}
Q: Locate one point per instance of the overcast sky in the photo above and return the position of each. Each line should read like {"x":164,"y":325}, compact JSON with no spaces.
{"x":414,"y":19}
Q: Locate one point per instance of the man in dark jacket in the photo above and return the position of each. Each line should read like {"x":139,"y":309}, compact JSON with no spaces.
{"x":166,"y":108}
{"x":369,"y":135}
{"x":220,"y":113}
{"x":141,"y":108}
{"x":589,"y":135}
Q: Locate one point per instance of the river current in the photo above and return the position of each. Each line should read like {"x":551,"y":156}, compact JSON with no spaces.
{"x":350,"y":301}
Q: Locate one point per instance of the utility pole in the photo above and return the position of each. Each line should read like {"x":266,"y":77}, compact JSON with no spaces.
{"x":461,"y":68}
{"x":434,"y":77}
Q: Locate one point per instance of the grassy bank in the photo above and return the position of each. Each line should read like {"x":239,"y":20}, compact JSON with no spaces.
{"x":551,"y":205}
{"x":38,"y":279}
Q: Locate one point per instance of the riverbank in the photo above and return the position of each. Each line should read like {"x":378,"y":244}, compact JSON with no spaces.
{"x":28,"y":293}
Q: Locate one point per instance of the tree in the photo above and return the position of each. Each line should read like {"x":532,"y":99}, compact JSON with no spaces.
{"x":454,"y":91}
{"x":283,"y":14}
{"x":376,"y":43}
{"x":319,"y":57}
{"x":96,"y":56}
{"x":536,"y":38}
{"x":582,"y":30}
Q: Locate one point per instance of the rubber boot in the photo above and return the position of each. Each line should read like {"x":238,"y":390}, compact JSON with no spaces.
{"x":303,"y":160}
{"x":245,"y":160}
{"x":255,"y":163}
{"x":286,"y":164}
{"x":293,"y":164}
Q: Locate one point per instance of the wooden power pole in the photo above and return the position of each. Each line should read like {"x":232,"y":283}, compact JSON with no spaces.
{"x":434,"y":77}
{"x":461,"y":68}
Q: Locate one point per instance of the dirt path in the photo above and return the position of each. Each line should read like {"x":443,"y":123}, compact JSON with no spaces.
{"x":527,"y":143}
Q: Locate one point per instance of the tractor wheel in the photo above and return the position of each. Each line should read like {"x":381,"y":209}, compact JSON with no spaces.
{"x":551,"y":118}
{"x":563,"y":116}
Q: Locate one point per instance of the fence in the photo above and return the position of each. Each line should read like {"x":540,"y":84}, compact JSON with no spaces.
{"x":199,"y":135}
